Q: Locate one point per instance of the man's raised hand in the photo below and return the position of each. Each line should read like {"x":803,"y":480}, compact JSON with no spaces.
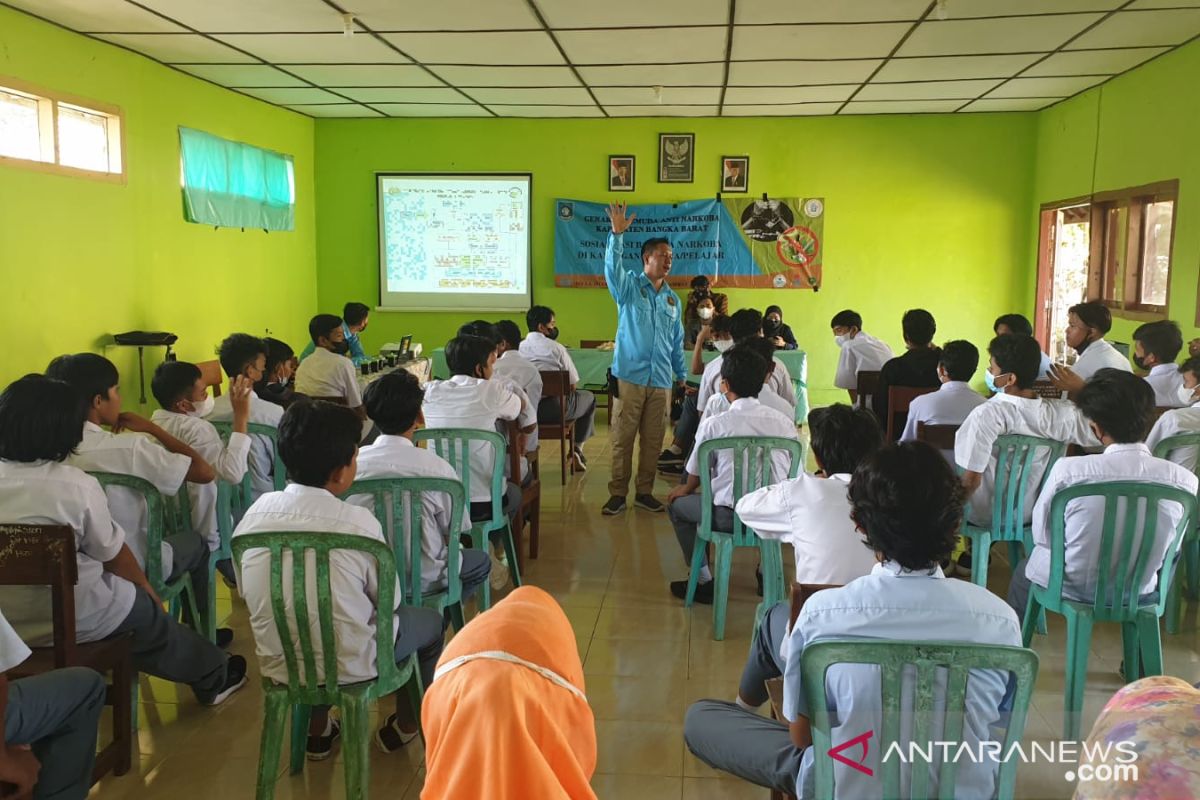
{"x":617,"y":216}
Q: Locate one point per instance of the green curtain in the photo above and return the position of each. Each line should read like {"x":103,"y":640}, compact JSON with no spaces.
{"x":235,"y":185}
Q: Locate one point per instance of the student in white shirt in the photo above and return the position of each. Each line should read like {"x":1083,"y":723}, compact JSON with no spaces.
{"x":1117,"y":406}
{"x":744,"y":324}
{"x":954,"y":400}
{"x":393,"y":403}
{"x":243,"y":355}
{"x":318,"y":442}
{"x":328,"y":374}
{"x":513,"y":366}
{"x":1087,"y":323}
{"x":158,"y":457}
{"x":528,"y":421}
{"x":41,"y":423}
{"x":544,"y":352}
{"x":1156,"y":345}
{"x":718,"y":402}
{"x":742,"y":374}
{"x":1181,"y":420}
{"x":277,"y":384}
{"x":907,"y":503}
{"x":1017,"y":323}
{"x":861,"y":352}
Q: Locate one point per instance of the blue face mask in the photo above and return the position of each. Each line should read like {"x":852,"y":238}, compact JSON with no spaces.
{"x":990,"y":380}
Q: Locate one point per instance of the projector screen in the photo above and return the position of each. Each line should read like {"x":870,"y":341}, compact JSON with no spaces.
{"x":454,"y":242}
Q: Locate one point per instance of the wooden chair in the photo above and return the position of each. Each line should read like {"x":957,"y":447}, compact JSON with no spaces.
{"x":899,"y":399}
{"x":1048,"y":391}
{"x":940,"y":436}
{"x":557,"y":384}
{"x":868,"y":384}
{"x":211,"y":374}
{"x":601,"y":392}
{"x":531,"y":497}
{"x":44,"y":555}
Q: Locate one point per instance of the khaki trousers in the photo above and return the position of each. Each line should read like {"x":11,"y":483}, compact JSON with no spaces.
{"x":643,"y":413}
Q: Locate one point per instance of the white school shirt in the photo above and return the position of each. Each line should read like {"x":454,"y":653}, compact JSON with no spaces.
{"x":262,"y":450}
{"x":353,"y":581}
{"x":1175,"y":421}
{"x":1165,"y":380}
{"x":951,"y":404}
{"x":327,"y":374}
{"x":49,"y":493}
{"x":780,"y":380}
{"x":812,"y":515}
{"x":1099,"y":355}
{"x":143,"y":457}
{"x":1059,"y":420}
{"x":546,"y":354}
{"x":892,"y":603}
{"x":13,"y":649}
{"x":863,"y":353}
{"x":1085,"y":516}
{"x":466,"y":402}
{"x":526,"y":419}
{"x":745,"y":417}
{"x":719,"y":403}
{"x":397,"y":457}
{"x":229,"y":460}
{"x":520,"y":371}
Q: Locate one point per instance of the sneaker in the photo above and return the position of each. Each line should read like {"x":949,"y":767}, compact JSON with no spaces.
{"x":704,"y":591}
{"x":499,"y":574}
{"x":390,"y":738}
{"x":667,"y":457}
{"x":673,"y":469}
{"x":578,"y":452}
{"x":578,"y":464}
{"x":235,"y":678}
{"x":320,"y":747}
{"x":648,"y":502}
{"x":963,"y":568}
{"x":615,"y":505}
{"x":224,"y":638}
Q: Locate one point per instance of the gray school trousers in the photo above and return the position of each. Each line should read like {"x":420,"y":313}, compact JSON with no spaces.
{"x":581,"y":408}
{"x":189,"y":554}
{"x":685,"y":516}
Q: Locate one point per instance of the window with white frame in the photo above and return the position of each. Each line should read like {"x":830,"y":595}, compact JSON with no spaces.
{"x":42,"y":128}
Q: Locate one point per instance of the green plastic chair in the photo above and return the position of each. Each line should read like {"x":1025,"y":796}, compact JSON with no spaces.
{"x":397,"y":504}
{"x":892,"y":657}
{"x":1116,"y":597}
{"x":1188,"y":575}
{"x":454,"y":445}
{"x":242,"y":496}
{"x":1017,"y":480}
{"x":304,"y":688}
{"x":752,"y":469}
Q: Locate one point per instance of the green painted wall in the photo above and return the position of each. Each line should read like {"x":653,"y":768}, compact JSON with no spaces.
{"x":82,"y":259}
{"x":1137,"y":129}
{"x":926,"y":211}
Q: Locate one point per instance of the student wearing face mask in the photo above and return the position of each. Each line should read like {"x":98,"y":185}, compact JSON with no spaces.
{"x":542,"y":349}
{"x":1087,"y":323}
{"x":1181,"y":420}
{"x":861,"y":352}
{"x":277,"y":384}
{"x":245,"y":356}
{"x":1156,"y":345}
{"x":354,"y":322}
{"x":705,"y":312}
{"x":328,"y":374}
{"x":776,"y":331}
{"x":701,"y":289}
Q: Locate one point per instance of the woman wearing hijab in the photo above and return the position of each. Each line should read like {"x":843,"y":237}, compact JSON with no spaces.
{"x":776,"y":330}
{"x":506,"y":715}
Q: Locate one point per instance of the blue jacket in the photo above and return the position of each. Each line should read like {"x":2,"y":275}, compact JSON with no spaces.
{"x":649,"y":325}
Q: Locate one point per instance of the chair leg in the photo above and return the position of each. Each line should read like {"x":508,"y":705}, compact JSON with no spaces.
{"x":1151,"y":644}
{"x":1191,"y":565}
{"x":510,"y":548}
{"x":694,"y":574}
{"x":300,"y":719}
{"x":1033,"y":610}
{"x":271,"y":743}
{"x":721,"y":588}
{"x":1175,"y":602}
{"x":457,"y":617}
{"x":1131,"y":651}
{"x":562,"y":455}
{"x":980,"y":554}
{"x":535,"y":526}
{"x":124,"y":704}
{"x":1079,"y":640}
{"x":356,"y":756}
{"x":480,"y":541}
{"x":517,"y":530}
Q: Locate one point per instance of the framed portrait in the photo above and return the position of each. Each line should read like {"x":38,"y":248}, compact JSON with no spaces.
{"x":621,"y":173}
{"x":676,"y":153}
{"x":735,"y":174}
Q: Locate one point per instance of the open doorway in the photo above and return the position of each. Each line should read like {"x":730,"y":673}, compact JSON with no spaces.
{"x":1063,"y":252}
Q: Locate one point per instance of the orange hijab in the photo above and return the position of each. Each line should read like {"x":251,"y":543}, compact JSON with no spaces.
{"x":503,"y":729}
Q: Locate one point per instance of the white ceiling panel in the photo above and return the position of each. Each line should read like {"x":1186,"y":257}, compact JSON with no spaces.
{"x":671,"y":95}
{"x":1009,"y":104}
{"x":633,"y":13}
{"x":816,"y":41}
{"x":1093,"y":62}
{"x":1142,"y":28}
{"x":507,"y":76}
{"x":800,"y":73}
{"x":251,"y":16}
{"x":184,"y":48}
{"x":98,"y":15}
{"x":661,"y":111}
{"x":235,"y":75}
{"x":793,"y":110}
{"x":965,"y":9}
{"x":654,"y":75}
{"x":419,"y":110}
{"x":425,"y":94}
{"x":295,"y":96}
{"x":1005,"y":35}
{"x":902,"y":107}
{"x":364,"y":74}
{"x":547,"y":111}
{"x":567,"y":96}
{"x":315,"y":48}
{"x":942,"y":67}
{"x":444,"y":15}
{"x":810,"y":11}
{"x":738,"y":95}
{"x":931,"y":90}
{"x":1046,"y":87}
{"x":503,"y":47}
{"x":645,"y":46}
{"x":340,"y":110}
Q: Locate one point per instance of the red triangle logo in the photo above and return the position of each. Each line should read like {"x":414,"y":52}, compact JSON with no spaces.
{"x":836,"y":753}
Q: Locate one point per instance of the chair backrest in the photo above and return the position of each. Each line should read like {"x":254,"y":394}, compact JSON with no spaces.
{"x":1018,"y":480}
{"x":556,"y":383}
{"x":868,"y":384}
{"x":44,"y":555}
{"x":800,"y":594}
{"x":939,"y":436}
{"x":928,"y":659}
{"x":899,"y":399}
{"x":211,"y":374}
{"x":1127,"y":539}
{"x":515,"y":455}
{"x":1180,"y":440}
{"x":454,"y":446}
{"x":752,"y":470}
{"x":1047,"y":390}
{"x":160,"y":521}
{"x":397,"y":505}
{"x":304,"y":682}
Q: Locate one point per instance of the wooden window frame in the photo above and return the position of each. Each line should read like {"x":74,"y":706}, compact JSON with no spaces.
{"x":1117,"y":282}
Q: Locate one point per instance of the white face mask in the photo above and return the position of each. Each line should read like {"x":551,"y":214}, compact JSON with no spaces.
{"x":722,"y":344}
{"x":1185,"y":395}
{"x":841,"y":339}
{"x":705,"y":313}
{"x":203,"y":408}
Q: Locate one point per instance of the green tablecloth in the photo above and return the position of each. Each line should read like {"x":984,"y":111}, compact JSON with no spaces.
{"x":593,"y":365}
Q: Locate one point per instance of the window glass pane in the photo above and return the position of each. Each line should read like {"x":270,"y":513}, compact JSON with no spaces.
{"x":1115,"y":219}
{"x":82,"y":138}
{"x":19,"y":135}
{"x":1156,"y":251}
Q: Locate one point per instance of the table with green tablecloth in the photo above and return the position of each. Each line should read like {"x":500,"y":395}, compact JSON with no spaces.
{"x":593,"y":365}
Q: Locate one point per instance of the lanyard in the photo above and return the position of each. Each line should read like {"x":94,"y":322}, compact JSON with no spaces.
{"x":500,"y":655}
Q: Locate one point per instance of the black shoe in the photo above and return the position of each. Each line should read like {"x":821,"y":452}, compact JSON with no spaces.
{"x":674,"y":469}
{"x":320,"y":747}
{"x":235,"y":678}
{"x":615,"y":505}
{"x":704,"y":591}
{"x":758,"y":577}
{"x":579,"y":455}
{"x":224,"y":637}
{"x":648,"y":502}
{"x":390,"y":738}
{"x":667,"y":457}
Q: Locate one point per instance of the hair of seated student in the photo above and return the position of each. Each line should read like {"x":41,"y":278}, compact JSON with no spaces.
{"x":843,"y":436}
{"x":764,"y":347}
{"x":322,"y":326}
{"x":1162,"y":339}
{"x":41,"y":419}
{"x":722,"y":323}
{"x":960,"y":359}
{"x":538,"y":315}
{"x":239,"y":351}
{"x":698,"y":282}
{"x":1119,"y":402}
{"x":316,"y":438}
{"x":173,"y":381}
{"x":481,"y":328}
{"x":87,"y":373}
{"x":1191,"y":365}
{"x":744,"y":323}
{"x":1020,"y":356}
{"x":1094,"y":314}
{"x":468,"y":355}
{"x":908,"y":503}
{"x":649,"y":245}
{"x":744,"y":371}
{"x":355,"y":313}
{"x":393,"y":402}
{"x":918,"y":326}
{"x":846,"y":319}
{"x":509,"y":333}
{"x":1016,"y":323}
{"x":277,"y":352}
